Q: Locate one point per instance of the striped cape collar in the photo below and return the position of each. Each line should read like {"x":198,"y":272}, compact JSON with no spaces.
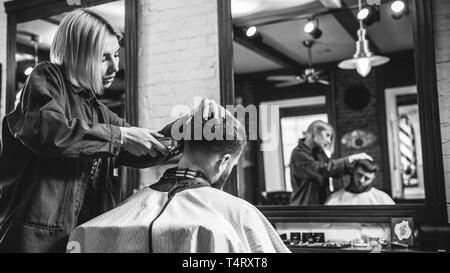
{"x":178,"y":179}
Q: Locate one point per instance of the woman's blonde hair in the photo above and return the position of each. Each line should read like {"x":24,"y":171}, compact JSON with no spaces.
{"x":78,"y":46}
{"x":316,"y":127}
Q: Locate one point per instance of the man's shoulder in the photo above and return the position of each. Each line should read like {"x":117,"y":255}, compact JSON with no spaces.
{"x":378,"y":192}
{"x":221,"y":197}
{"x":336,"y":196}
{"x":385,"y":198}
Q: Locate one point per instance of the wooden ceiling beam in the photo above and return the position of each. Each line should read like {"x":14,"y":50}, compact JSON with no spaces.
{"x":267,"y":17}
{"x":398,"y":56}
{"x":258,"y":46}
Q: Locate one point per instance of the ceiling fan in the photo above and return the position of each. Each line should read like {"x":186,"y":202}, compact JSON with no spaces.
{"x":309,"y":75}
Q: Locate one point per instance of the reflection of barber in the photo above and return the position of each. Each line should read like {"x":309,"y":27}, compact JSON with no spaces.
{"x":360,"y":191}
{"x":311,"y":167}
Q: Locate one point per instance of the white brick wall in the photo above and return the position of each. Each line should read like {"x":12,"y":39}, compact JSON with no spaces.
{"x":3,"y":23}
{"x":442,"y":44}
{"x":178,"y":60}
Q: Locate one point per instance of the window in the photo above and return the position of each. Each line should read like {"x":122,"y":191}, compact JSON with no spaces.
{"x":292,"y":129}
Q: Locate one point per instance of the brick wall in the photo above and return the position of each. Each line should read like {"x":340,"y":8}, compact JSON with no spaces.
{"x":3,"y":57}
{"x":442,"y":45}
{"x":178,"y":60}
{"x":366,"y":119}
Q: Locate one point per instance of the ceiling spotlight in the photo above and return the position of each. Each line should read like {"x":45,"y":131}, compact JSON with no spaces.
{"x":398,"y":9}
{"x":309,"y":26}
{"x":363,"y":13}
{"x":369,"y":15}
{"x":398,"y":6}
{"x":28,"y":71}
{"x":312,"y":27}
{"x":251,"y":31}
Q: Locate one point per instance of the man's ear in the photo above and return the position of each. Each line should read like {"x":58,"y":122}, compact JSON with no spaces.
{"x":224,"y":160}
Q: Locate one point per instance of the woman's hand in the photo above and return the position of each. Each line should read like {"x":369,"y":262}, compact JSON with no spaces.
{"x":360,"y":156}
{"x":206,"y":109}
{"x":140,"y":141}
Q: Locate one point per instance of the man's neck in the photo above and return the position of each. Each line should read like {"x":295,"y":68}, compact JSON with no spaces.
{"x":187,"y":163}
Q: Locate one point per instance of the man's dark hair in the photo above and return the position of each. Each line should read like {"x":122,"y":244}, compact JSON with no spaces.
{"x":366,"y":165}
{"x":232,"y":141}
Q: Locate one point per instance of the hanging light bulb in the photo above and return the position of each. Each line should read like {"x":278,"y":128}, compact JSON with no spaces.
{"x":363,"y":60}
{"x":363,"y":66}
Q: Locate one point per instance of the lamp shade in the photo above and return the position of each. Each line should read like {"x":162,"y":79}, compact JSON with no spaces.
{"x":363,"y":65}
{"x":363,"y":59}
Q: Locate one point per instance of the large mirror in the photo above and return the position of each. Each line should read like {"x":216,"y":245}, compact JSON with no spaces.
{"x":34,"y":39}
{"x":31,"y":28}
{"x":299,"y":58}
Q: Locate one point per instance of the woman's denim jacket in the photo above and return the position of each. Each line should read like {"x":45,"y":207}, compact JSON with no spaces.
{"x":47,"y":142}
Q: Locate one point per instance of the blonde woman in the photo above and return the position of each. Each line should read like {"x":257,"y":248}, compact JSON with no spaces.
{"x":60,"y":144}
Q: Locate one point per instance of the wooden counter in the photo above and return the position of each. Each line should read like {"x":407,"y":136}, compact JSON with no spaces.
{"x":352,"y":249}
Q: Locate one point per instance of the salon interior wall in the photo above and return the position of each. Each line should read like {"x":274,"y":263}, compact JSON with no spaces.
{"x":178,"y":61}
{"x":442,"y":42}
{"x":3,"y":24}
{"x":366,"y":119}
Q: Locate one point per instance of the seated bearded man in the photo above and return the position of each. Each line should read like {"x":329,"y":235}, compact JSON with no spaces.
{"x":186,"y":210}
{"x":360,"y":191}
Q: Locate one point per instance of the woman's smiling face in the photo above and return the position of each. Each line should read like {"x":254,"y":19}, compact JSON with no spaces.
{"x":110,"y":61}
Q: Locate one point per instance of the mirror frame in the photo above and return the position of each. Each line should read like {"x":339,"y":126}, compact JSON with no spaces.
{"x":22,"y":11}
{"x":434,"y":210}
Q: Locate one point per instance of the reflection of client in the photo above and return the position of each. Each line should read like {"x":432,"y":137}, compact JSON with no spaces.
{"x":360,"y":191}
{"x":311,"y":167}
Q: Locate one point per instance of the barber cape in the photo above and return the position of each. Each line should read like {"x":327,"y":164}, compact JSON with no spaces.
{"x":179,"y":216}
{"x":371,"y":197}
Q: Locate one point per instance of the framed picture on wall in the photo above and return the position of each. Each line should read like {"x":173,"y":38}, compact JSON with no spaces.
{"x":402,"y":230}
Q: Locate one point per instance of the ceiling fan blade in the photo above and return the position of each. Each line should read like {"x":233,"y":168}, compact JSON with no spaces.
{"x":286,"y":84}
{"x":317,"y":73}
{"x":281,"y":78}
{"x":323,"y":82}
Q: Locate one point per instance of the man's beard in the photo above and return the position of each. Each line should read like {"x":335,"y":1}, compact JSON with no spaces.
{"x":218,"y":184}
{"x":358,"y":189}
